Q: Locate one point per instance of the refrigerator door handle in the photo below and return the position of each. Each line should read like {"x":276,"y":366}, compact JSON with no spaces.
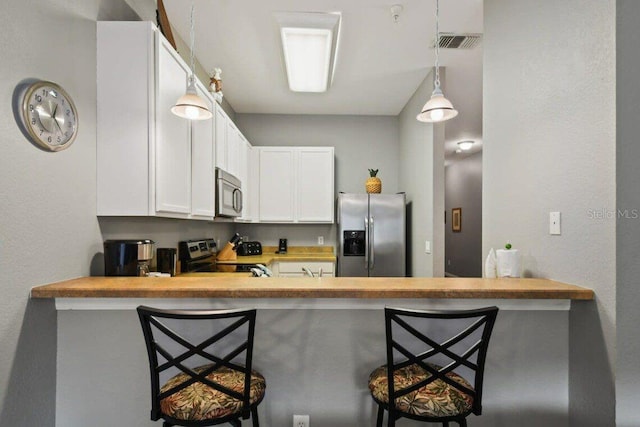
{"x":366,"y":242}
{"x":372,"y":251}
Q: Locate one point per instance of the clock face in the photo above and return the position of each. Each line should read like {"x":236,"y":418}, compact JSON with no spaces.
{"x":50,"y":116}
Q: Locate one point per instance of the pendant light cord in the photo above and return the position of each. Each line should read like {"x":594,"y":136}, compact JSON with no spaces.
{"x":192,"y":34}
{"x":436,"y":82}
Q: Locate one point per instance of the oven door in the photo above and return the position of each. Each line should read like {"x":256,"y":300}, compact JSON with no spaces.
{"x":229,"y":195}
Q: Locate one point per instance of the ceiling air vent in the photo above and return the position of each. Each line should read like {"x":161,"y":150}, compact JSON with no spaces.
{"x":458,"y":41}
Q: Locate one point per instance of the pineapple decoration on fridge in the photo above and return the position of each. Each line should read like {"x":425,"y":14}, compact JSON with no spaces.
{"x":373,"y":184}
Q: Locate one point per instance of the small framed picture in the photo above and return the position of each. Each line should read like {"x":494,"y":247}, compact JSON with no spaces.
{"x":456,"y":219}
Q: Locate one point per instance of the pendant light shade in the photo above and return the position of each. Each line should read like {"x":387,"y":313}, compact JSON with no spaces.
{"x":190,"y":105}
{"x":438,"y":108}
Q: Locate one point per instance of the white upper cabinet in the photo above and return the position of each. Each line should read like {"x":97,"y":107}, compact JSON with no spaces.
{"x":253,"y":185}
{"x":143,"y":150}
{"x":203,"y":162}
{"x":243,"y":174}
{"x":145,"y":162}
{"x":315,"y":184}
{"x":153,"y":163}
{"x":234,"y":143}
{"x":221,"y":119}
{"x":125,"y":114}
{"x":277,"y":184}
{"x":296,"y":184}
{"x":173,"y":143}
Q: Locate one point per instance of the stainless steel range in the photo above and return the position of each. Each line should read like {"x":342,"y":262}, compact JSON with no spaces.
{"x":197,"y":255}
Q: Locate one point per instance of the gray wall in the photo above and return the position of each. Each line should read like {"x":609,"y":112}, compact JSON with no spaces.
{"x":361,"y":143}
{"x":463,"y":189}
{"x":316,"y":362}
{"x":628,"y":204}
{"x":165,"y":232}
{"x":47,"y":213}
{"x":549,"y":127}
{"x":422,"y":177}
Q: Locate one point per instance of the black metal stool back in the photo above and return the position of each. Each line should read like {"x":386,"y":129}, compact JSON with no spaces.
{"x":161,"y":343}
{"x":465,"y":350}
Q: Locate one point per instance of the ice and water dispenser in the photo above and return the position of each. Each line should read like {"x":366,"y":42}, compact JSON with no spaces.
{"x":354,"y":243}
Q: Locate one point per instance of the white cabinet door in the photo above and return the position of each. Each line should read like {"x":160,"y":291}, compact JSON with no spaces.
{"x":296,"y":184}
{"x":124,"y":136}
{"x":234,"y":143}
{"x":276,"y":184}
{"x":173,"y":144}
{"x":202,"y":162}
{"x":315,"y":184}
{"x":253,"y":166}
{"x":221,"y":120}
{"x":243,"y":175}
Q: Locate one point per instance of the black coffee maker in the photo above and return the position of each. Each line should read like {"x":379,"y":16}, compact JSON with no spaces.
{"x":128,"y":257}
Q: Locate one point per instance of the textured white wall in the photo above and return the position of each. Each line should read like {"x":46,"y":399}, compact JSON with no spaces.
{"x":422,"y":178}
{"x":549,"y":132}
{"x":628,"y":226}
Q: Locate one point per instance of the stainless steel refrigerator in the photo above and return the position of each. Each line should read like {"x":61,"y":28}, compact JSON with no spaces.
{"x":371,"y":235}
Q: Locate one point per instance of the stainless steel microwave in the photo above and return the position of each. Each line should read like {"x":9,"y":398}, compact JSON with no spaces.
{"x":228,"y":195}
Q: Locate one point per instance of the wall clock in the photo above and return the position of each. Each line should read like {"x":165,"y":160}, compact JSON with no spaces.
{"x":48,"y":116}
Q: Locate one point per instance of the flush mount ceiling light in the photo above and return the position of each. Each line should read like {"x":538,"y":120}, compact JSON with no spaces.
{"x":310,"y":45}
{"x":465,"y":145}
{"x":438,"y":108}
{"x":190,"y":105}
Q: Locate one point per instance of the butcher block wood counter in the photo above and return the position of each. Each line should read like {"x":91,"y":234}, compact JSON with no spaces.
{"x":325,"y":287}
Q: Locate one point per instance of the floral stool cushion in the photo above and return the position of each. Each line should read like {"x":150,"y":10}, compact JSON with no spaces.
{"x":201,"y":402}
{"x":436,"y":399}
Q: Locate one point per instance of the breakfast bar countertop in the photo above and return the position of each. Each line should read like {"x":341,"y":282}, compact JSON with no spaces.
{"x":308,"y":287}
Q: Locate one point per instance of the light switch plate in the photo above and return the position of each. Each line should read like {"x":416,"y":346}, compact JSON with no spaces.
{"x":554,"y":223}
{"x":427,"y":247}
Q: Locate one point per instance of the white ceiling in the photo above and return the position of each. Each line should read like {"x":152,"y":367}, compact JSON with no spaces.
{"x":380,"y":63}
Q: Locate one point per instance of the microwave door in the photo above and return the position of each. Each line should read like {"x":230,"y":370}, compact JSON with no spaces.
{"x":229,"y":197}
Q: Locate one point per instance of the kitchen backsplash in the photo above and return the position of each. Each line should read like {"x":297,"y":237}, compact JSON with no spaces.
{"x":167,"y":232}
{"x":296,"y":234}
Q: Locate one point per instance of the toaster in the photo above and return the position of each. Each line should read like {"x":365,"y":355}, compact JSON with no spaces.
{"x":249,"y":248}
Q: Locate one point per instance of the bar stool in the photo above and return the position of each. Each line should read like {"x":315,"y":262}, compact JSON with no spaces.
{"x":222,"y":390}
{"x":424,"y":380}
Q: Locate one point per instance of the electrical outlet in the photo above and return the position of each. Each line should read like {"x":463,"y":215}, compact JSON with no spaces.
{"x":321,"y":240}
{"x":301,"y":421}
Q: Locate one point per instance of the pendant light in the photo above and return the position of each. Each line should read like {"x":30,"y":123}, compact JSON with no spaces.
{"x":190,"y":105}
{"x":438,"y":108}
